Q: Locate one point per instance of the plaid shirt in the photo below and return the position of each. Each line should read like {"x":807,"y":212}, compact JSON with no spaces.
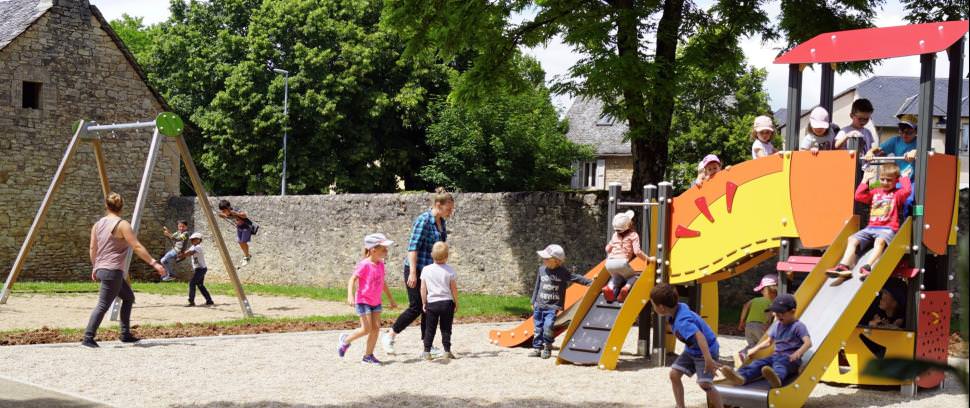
{"x":424,"y":234}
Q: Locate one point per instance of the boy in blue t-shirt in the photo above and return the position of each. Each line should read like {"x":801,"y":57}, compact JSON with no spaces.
{"x":791,"y":340}
{"x":700,"y":352}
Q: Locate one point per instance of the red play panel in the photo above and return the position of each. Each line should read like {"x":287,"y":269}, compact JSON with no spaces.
{"x":876,"y":43}
{"x":933,"y":333}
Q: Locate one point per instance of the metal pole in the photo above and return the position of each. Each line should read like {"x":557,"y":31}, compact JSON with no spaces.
{"x":792,"y":123}
{"x":286,"y":114}
{"x":954,"y":97}
{"x":924,"y":136}
{"x":827,"y":99}
{"x":614,"y":190}
{"x":121,"y":126}
{"x":664,"y":191}
{"x":643,"y":321}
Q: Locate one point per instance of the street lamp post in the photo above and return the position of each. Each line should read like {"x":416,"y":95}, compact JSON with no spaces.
{"x":286,"y":113}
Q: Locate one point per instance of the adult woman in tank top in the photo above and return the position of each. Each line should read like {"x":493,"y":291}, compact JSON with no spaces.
{"x":111,"y":237}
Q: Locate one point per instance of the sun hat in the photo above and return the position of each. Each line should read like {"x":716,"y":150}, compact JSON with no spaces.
{"x":374,"y":240}
{"x":763,"y":123}
{"x":553,"y":251}
{"x":783,"y":303}
{"x":767,"y":280}
{"x":907,"y":120}
{"x":622,"y":220}
{"x":708,"y":159}
{"x":195,"y":235}
{"x":819,"y":118}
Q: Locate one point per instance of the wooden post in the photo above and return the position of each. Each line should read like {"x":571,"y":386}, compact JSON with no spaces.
{"x":102,"y":169}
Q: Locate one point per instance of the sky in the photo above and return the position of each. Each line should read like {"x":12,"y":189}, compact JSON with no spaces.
{"x":556,"y":57}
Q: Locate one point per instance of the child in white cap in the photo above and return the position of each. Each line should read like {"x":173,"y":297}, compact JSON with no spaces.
{"x":761,"y":132}
{"x":818,"y":134}
{"x":369,"y":279}
{"x":623,"y":246}
{"x":199,"y":270}
{"x":549,"y":296}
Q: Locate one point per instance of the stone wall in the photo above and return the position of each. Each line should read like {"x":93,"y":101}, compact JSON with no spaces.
{"x":83,"y":75}
{"x":619,"y":169}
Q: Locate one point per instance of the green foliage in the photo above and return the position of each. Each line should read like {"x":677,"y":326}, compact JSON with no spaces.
{"x":928,"y":11}
{"x":509,"y":140}
{"x":136,"y":36}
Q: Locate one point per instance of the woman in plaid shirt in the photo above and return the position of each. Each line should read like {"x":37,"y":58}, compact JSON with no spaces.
{"x":428,"y":228}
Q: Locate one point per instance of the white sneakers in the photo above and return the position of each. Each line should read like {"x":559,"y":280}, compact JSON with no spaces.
{"x":387,"y":343}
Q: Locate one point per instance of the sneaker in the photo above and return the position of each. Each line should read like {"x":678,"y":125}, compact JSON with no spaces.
{"x":732,"y":376}
{"x":191,"y":304}
{"x":370,"y":359}
{"x":436,"y":352}
{"x":343,"y":345}
{"x":450,"y":356}
{"x":426,"y":356}
{"x":209,"y":303}
{"x":89,"y":342}
{"x":128,"y":338}
{"x":387,"y":343}
{"x":625,"y":290}
{"x":167,"y":278}
{"x":608,"y":294}
{"x":535,"y":353}
{"x":245,"y":260}
{"x":839,"y":271}
{"x":771,"y":376}
{"x":864,"y":272}
{"x":546,"y":353}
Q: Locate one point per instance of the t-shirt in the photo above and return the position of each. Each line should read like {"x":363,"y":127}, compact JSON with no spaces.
{"x":865,"y":142}
{"x":624,"y":245}
{"x":370,"y":282}
{"x":685,"y":324}
{"x":824,"y":142}
{"x":756,"y":312}
{"x":884,"y":207}
{"x":766,"y":147}
{"x":788,"y":337}
{"x":198,"y":257}
{"x":178,"y":240}
{"x":437,"y":278}
{"x":896,"y":146}
{"x":550,"y":289}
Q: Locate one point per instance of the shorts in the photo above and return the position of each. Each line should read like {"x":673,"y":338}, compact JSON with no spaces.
{"x":243,"y":234}
{"x":690,"y":365}
{"x":868,"y":235}
{"x":365,"y":309}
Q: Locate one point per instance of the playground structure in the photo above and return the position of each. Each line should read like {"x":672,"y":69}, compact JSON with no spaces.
{"x":784,"y":203}
{"x":166,"y":124}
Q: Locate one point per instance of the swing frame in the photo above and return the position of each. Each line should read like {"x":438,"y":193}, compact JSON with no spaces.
{"x":164,"y":125}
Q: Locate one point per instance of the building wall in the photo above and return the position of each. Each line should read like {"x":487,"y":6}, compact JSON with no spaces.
{"x":84,"y":75}
{"x":619,"y":169}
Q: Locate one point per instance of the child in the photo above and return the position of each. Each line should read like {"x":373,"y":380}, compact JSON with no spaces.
{"x":818,"y":134}
{"x":708,"y":167}
{"x":791,"y":340}
{"x":178,"y":244}
{"x":903,"y":145}
{"x":890,"y":313}
{"x":245,"y":228}
{"x":623,"y":246}
{"x":754,"y":320}
{"x":762,"y":132}
{"x":548,"y":297}
{"x":369,"y":278}
{"x":861,"y":113}
{"x":886,"y":201}
{"x":439,"y":297}
{"x":199,"y":269}
{"x":701,"y":346}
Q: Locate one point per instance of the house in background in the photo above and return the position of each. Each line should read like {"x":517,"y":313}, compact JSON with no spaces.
{"x":897,"y":95}
{"x":614,"y":159}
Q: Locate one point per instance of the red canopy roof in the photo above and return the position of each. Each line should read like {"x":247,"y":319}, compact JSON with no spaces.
{"x":876,"y":43}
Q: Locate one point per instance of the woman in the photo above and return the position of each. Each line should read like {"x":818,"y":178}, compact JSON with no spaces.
{"x":111,"y":237}
{"x":428,"y":228}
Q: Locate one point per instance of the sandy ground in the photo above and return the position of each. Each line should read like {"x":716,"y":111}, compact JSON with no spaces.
{"x":302,"y":369}
{"x":34,"y":311}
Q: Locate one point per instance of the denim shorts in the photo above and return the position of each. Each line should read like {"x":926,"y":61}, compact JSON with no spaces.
{"x":868,"y":235}
{"x":243,"y":234}
{"x":365,"y":309}
{"x":690,"y":365}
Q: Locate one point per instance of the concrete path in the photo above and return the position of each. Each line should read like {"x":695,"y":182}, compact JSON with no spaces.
{"x":17,"y":394}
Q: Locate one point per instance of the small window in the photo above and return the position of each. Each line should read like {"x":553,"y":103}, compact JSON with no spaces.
{"x":965,"y":140}
{"x":606,"y":120}
{"x":31,"y":98}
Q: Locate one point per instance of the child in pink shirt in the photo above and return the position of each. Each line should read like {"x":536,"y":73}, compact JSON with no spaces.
{"x":623,"y":246}
{"x":369,"y":277}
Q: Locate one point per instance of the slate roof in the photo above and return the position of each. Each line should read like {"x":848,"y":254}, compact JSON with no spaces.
{"x":583,"y":116}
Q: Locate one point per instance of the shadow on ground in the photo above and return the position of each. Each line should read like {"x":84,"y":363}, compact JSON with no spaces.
{"x":412,"y":400}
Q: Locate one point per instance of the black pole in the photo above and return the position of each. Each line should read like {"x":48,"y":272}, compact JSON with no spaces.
{"x":954,"y":97}
{"x":792,"y":123}
{"x":643,"y":336}
{"x":664,"y":193}
{"x":923,"y":142}
{"x":827,"y":95}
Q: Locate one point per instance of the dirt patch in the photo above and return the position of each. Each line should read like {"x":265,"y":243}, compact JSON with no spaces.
{"x":958,"y":346}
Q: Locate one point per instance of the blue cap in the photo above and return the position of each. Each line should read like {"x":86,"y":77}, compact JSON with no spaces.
{"x":783,"y":303}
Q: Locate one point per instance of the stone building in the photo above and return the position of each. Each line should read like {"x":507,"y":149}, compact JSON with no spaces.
{"x":60,"y":62}
{"x":614,"y":159}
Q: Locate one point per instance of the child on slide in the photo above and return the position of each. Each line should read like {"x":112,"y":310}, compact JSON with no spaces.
{"x":623,"y":246}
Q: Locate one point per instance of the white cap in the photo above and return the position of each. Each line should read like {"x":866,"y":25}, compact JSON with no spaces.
{"x":553,"y":251}
{"x":622,"y":220}
{"x":763,"y":123}
{"x":819,"y":118}
{"x":195,"y":235}
{"x":374,"y":240}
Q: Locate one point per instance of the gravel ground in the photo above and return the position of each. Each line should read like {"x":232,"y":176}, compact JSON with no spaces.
{"x":302,"y":369}
{"x":33,"y":311}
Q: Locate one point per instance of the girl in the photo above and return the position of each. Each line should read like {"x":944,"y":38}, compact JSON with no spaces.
{"x":762,"y":132}
{"x":707,"y":169}
{"x":369,"y":278}
{"x":819,"y":134}
{"x":623,"y":246}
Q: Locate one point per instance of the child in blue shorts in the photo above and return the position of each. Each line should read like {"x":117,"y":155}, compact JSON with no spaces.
{"x":245,"y":228}
{"x":791,"y":340}
{"x":700,"y":353}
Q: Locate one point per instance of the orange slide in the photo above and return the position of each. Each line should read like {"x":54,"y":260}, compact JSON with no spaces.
{"x":523,"y":332}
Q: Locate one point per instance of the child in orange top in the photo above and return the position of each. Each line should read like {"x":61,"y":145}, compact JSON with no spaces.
{"x":886,"y":202}
{"x":623,"y":246}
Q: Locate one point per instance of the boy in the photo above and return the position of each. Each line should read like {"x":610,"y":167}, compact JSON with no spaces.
{"x":199,"y":269}
{"x":439,"y":297}
{"x":890,"y":313}
{"x":903,"y":145}
{"x":886,"y":202}
{"x":701,"y":346}
{"x":860,"y":114}
{"x":245,"y":227}
{"x":549,"y":296}
{"x":791,"y":340}
{"x":178,"y":239}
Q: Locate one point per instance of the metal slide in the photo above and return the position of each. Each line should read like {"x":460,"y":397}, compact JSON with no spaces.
{"x":830,"y":312}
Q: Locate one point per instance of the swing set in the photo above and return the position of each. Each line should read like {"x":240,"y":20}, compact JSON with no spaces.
{"x":166,"y":124}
